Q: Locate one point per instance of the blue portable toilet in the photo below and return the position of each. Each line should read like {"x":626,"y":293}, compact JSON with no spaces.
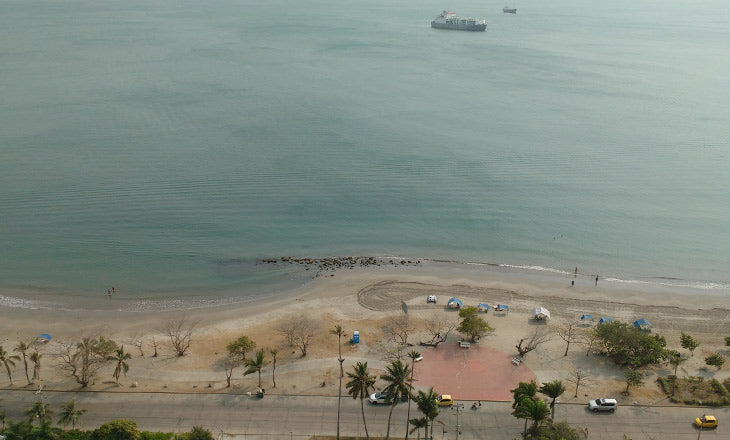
{"x":355,"y":337}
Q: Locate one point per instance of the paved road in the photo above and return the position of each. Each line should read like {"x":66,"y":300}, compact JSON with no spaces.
{"x":289,"y":417}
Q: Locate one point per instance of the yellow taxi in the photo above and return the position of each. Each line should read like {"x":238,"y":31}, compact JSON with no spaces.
{"x":706,"y":422}
{"x":445,"y":400}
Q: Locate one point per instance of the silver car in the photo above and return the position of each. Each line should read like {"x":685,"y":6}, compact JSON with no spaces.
{"x":604,"y":404}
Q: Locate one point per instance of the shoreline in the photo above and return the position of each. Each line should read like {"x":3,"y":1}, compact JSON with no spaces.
{"x":292,"y":280}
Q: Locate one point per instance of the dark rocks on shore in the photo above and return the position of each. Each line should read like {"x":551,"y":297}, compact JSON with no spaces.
{"x":334,"y":263}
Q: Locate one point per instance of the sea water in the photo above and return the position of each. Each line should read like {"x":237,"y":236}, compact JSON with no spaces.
{"x":166,"y":147}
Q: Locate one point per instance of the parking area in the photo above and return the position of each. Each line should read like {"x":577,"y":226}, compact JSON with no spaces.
{"x":474,"y":373}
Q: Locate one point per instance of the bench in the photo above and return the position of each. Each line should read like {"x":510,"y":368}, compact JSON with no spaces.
{"x":464,"y":344}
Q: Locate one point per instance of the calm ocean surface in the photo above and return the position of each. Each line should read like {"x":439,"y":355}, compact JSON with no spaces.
{"x":164,"y":147}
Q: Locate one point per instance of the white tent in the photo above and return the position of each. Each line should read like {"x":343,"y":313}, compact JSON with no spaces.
{"x":541,"y":313}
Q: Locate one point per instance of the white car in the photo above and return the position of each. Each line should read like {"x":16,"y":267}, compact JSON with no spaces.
{"x":431,"y":299}
{"x":604,"y":404}
{"x":379,"y":399}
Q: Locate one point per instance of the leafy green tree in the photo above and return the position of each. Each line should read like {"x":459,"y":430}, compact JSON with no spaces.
{"x":558,"y":431}
{"x":240,"y":347}
{"x":359,"y":386}
{"x":237,"y":355}
{"x":688,"y":342}
{"x":45,"y":431}
{"x":23,"y":348}
{"x":117,"y":430}
{"x":121,"y":358}
{"x":337,"y":330}
{"x":413,"y":355}
{"x":628,"y":345}
{"x":553,"y":390}
{"x":9,"y":361}
{"x":633,"y":378}
{"x":19,"y":431}
{"x":715,"y":360}
{"x":396,"y":377}
{"x":256,"y":364}
{"x":38,"y":410}
{"x":727,"y":340}
{"x":532,"y":409}
{"x":428,"y":406}
{"x":471,"y":324}
{"x":199,"y":433}
{"x":70,"y":414}
{"x":524,"y":389}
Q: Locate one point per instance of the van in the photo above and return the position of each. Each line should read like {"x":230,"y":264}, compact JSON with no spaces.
{"x":604,"y":404}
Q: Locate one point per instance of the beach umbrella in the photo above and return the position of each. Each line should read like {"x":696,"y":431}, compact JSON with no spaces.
{"x":602,"y":320}
{"x":502,"y":308}
{"x":541,"y":313}
{"x":45,"y":337}
{"x":454,"y":303}
{"x":483,"y":307}
{"x":642,"y":324}
{"x":586,"y":318}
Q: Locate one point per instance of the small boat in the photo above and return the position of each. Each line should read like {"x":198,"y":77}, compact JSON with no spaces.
{"x":508,"y":10}
{"x":449,"y":20}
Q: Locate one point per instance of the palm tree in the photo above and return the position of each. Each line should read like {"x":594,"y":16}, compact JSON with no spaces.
{"x":553,"y":390}
{"x":256,"y":364}
{"x":8,"y":361}
{"x":69,"y":414}
{"x":35,"y":357}
{"x":40,"y":410}
{"x":45,"y":431}
{"x":413,"y":354}
{"x":396,"y":377}
{"x":418,"y":424}
{"x":360,"y":385}
{"x":531,"y":409}
{"x":427,"y":404}
{"x":339,"y":332}
{"x":120,"y":357}
{"x":3,"y":419}
{"x":273,"y":352}
{"x":524,"y":389}
{"x":23,"y":348}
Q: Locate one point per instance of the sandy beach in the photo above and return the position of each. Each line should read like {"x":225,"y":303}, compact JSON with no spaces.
{"x":366,"y":299}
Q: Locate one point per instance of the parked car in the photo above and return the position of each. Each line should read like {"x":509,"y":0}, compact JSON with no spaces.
{"x":706,"y":422}
{"x":431,"y":299}
{"x":604,"y":404}
{"x":445,"y":400}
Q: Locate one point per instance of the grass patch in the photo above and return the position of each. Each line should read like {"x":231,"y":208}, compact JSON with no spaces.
{"x":694,"y":390}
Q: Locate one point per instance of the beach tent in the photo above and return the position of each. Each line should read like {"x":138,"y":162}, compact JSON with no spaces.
{"x":483,"y":307}
{"x":501,"y":308}
{"x":602,"y":320}
{"x":455,"y":303}
{"x":586,"y":318}
{"x":642,"y":324}
{"x":45,"y":337}
{"x":541,"y":313}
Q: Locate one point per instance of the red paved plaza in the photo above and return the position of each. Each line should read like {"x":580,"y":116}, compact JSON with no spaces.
{"x":475,"y":373}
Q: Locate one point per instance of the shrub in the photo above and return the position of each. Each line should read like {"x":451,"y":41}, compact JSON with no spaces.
{"x":719,"y":388}
{"x":199,"y":433}
{"x":117,"y":430}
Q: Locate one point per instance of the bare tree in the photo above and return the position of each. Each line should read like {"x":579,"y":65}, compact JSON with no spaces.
{"x":298,"y":332}
{"x":138,"y":342}
{"x":589,"y":338}
{"x":439,"y":328}
{"x":230,"y":363}
{"x":180,"y":331}
{"x":568,"y":332}
{"x":398,"y":328}
{"x":84,"y":358}
{"x":578,"y":377}
{"x":529,"y":343}
{"x":274,"y":352}
{"x":154,"y":345}
{"x":395,"y":353}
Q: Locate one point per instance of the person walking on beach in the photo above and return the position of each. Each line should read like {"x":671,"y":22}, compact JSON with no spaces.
{"x":575,"y":274}
{"x":596,"y":280}
{"x":572,"y":283}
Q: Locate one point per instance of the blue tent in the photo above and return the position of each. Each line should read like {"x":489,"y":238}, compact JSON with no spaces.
{"x":483,"y":307}
{"x":45,"y":337}
{"x":455,"y":303}
{"x":501,"y":308}
{"x":642,"y":324}
{"x":602,"y":320}
{"x":586,"y":318}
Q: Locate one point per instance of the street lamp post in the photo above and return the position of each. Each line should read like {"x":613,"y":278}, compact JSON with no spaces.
{"x":458,"y":407}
